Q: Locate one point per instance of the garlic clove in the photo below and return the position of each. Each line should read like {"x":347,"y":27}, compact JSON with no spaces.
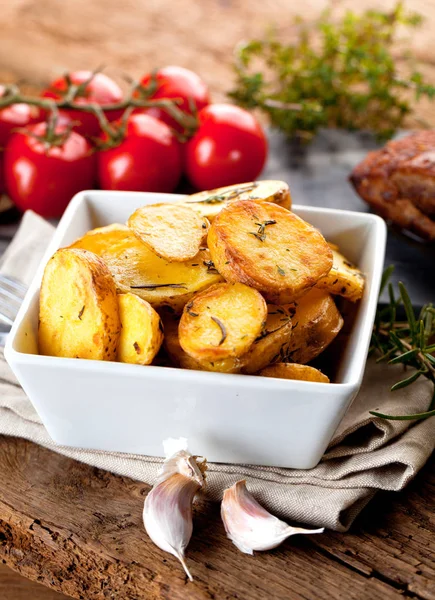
{"x":249,"y":526}
{"x":167,"y":511}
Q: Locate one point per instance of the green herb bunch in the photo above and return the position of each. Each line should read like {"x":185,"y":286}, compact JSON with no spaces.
{"x":409,"y":341}
{"x":337,"y":73}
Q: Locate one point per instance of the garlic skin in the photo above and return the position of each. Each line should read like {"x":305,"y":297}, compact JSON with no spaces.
{"x":249,"y":526}
{"x":167,"y":513}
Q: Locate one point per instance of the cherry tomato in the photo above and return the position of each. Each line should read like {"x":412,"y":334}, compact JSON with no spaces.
{"x":15,"y":116}
{"x":177,"y":82}
{"x":2,"y":181}
{"x":148,"y":159}
{"x":100,"y":90}
{"x":43,"y":178}
{"x":229,"y":147}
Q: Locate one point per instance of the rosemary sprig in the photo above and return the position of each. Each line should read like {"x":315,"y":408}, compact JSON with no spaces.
{"x":230,"y":194}
{"x":155,"y":286}
{"x":409,"y":342}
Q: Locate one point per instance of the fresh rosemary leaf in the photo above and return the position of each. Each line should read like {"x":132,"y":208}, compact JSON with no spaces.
{"x":415,"y":417}
{"x":386,"y":276}
{"x":410,"y":315}
{"x":407,"y":381}
{"x":402,"y":358}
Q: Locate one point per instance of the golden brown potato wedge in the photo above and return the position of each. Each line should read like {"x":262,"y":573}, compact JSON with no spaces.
{"x":180,"y":358}
{"x":78,"y":307}
{"x":344,"y":279}
{"x":211,"y":202}
{"x":141,"y":330}
{"x":268,"y":248}
{"x":221,"y":322}
{"x":173,"y":231}
{"x":294,"y":371}
{"x":316,"y":322}
{"x":137,"y":269}
{"x":269,"y":344}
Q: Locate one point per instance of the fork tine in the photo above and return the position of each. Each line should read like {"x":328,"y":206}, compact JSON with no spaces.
{"x":12,"y":297}
{"x":7,"y":310}
{"x":7,"y":281}
{"x":5,"y":319}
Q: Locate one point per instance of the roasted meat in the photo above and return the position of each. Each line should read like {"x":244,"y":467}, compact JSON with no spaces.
{"x":398,"y":181}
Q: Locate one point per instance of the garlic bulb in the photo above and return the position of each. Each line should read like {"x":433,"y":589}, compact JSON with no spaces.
{"x":249,"y":526}
{"x":167,"y":511}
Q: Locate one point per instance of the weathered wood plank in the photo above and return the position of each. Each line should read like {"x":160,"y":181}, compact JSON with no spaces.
{"x":79,"y":530}
{"x":15,"y":587}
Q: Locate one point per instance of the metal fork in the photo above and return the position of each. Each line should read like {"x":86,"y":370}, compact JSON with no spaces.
{"x":12,"y":294}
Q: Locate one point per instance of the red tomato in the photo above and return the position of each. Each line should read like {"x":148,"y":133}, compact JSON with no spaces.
{"x":177,"y":82}
{"x":2,"y":181}
{"x":148,"y":159}
{"x":229,"y":147}
{"x":16,"y":116}
{"x":101,"y":90}
{"x":45,"y":180}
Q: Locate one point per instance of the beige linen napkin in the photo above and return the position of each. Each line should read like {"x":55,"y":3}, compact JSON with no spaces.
{"x":366,"y":454}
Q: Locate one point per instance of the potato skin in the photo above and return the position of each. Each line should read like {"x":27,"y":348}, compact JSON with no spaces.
{"x":78,"y":313}
{"x":344,"y":279}
{"x":316,"y":322}
{"x":283,"y":258}
{"x":294,"y":371}
{"x":210,"y":203}
{"x":132,"y":263}
{"x":173,"y":231}
{"x":221,"y":322}
{"x":141,"y":330}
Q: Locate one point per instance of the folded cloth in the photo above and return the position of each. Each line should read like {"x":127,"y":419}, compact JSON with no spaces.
{"x":366,"y":454}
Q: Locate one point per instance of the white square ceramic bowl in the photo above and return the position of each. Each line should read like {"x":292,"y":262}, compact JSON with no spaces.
{"x":227,"y":418}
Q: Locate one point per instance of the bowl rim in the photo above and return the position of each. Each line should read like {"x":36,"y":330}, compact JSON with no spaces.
{"x":14,"y":356}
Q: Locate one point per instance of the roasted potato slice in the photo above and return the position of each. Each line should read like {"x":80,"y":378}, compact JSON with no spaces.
{"x":268,"y":248}
{"x":141,"y":330}
{"x":221,"y":322}
{"x":211,"y":202}
{"x":137,"y":269}
{"x":173,"y":231}
{"x":269,"y":344}
{"x":180,"y":358}
{"x":344,"y":279}
{"x":316,"y":322}
{"x":78,"y":307}
{"x":294,"y":371}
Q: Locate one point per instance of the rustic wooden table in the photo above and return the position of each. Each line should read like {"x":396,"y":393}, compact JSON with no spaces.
{"x":79,"y":530}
